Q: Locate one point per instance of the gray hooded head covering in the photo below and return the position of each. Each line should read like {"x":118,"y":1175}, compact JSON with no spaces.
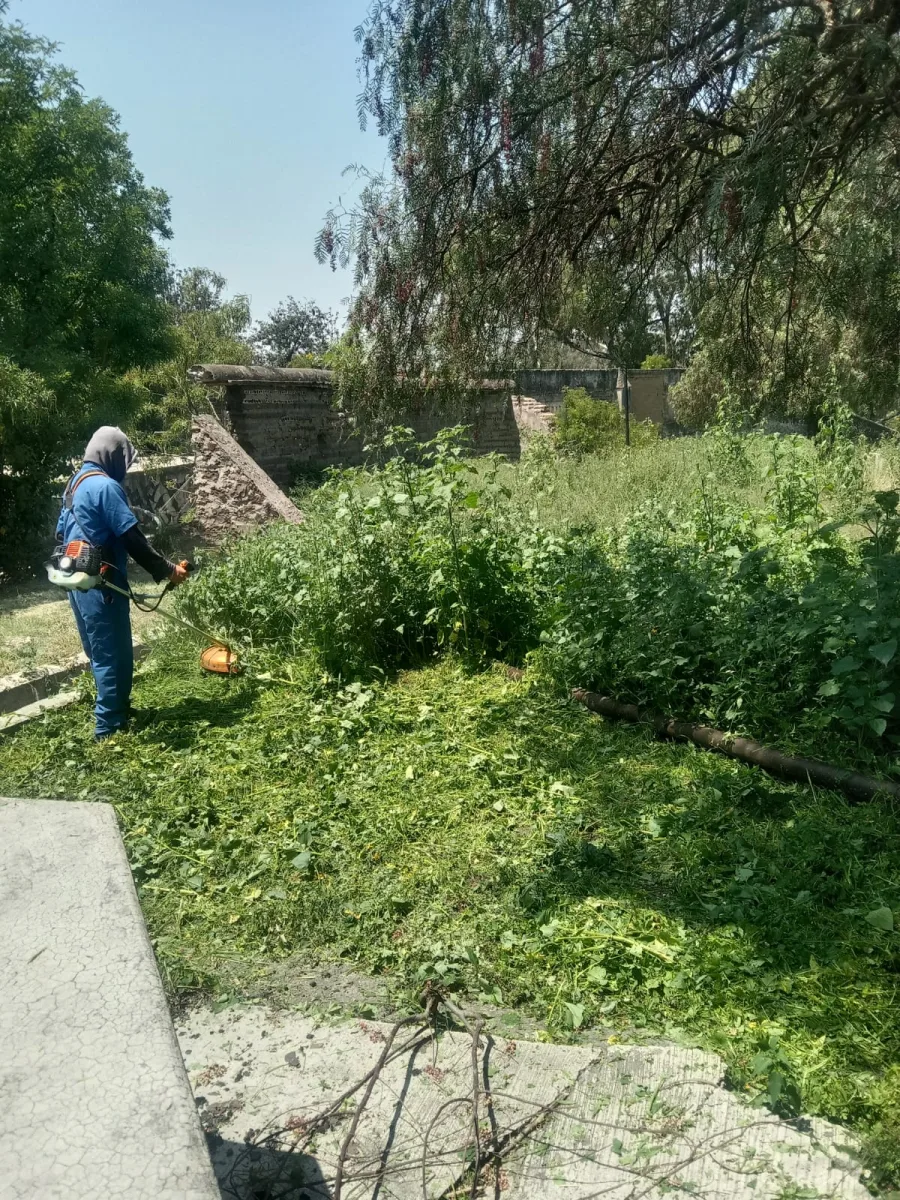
{"x":110,"y":449}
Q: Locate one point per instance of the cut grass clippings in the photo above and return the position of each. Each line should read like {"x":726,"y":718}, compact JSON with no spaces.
{"x":480,"y":832}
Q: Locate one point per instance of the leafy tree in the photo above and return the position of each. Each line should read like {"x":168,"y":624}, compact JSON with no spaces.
{"x":294,"y":330}
{"x":541,"y":152}
{"x":207,"y":327}
{"x":29,"y":414}
{"x":817,"y":324}
{"x":81,"y":276}
{"x":196,"y":290}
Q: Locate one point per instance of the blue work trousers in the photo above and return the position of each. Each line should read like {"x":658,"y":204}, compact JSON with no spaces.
{"x":104,"y":625}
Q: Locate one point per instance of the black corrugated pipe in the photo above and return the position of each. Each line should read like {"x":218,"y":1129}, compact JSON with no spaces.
{"x":785,"y":766}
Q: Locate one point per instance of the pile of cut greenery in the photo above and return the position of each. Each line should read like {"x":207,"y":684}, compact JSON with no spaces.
{"x":376,"y":787}
{"x":480,"y":832}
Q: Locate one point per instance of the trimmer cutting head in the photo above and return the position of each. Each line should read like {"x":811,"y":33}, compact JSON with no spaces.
{"x":220,"y":660}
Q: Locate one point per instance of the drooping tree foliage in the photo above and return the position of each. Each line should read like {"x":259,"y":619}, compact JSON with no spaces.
{"x":816,"y":322}
{"x":81,"y":276}
{"x":700,"y":167}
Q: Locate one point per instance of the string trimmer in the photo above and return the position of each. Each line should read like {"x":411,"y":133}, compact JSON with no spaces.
{"x":79,"y":567}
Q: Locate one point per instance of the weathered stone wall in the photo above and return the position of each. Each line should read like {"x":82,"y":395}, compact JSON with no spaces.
{"x":232,"y":493}
{"x":286,"y":419}
{"x":650,"y":395}
{"x":532,"y":416}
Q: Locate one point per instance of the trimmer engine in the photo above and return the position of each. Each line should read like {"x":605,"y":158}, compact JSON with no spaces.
{"x":77,"y":566}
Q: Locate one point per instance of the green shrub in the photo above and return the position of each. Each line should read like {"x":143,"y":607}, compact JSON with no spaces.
{"x":656,"y":362}
{"x":29,"y":414}
{"x":390,"y":568}
{"x":589,"y":426}
{"x":768,"y":623}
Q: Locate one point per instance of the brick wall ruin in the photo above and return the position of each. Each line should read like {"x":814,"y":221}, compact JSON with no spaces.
{"x":548,"y":386}
{"x":649,"y":390}
{"x":232,"y":493}
{"x":286,"y":421}
{"x":274,"y":424}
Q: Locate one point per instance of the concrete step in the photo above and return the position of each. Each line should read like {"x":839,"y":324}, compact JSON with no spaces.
{"x":94,"y":1100}
{"x":575,"y":1122}
{"x":28,"y":687}
{"x":12,"y":720}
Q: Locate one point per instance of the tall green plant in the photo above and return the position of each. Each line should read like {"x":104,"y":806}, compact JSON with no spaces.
{"x":390,"y":567}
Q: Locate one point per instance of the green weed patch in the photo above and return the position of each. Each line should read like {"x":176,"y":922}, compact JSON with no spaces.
{"x":780,"y":621}
{"x":491,"y":836}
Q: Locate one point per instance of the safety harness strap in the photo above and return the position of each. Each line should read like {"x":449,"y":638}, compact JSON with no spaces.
{"x":73,"y":486}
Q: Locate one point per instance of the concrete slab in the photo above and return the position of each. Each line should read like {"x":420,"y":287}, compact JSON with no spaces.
{"x":260,"y":1075}
{"x":13,"y":720}
{"x":569,"y":1122}
{"x":27,"y":687}
{"x":94,"y":1100}
{"x":14,"y":711}
{"x":652,"y":1120}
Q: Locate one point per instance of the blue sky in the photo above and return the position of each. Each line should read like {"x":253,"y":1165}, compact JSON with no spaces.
{"x":244,"y":112}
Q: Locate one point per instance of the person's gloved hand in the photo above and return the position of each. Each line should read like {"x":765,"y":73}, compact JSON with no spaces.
{"x":179,"y":575}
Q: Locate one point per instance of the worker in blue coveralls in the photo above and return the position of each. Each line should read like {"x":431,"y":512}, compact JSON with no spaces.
{"x":95,"y":509}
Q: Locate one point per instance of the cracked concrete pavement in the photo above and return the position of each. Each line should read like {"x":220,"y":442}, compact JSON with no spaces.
{"x":575,"y":1122}
{"x":94,"y":1100}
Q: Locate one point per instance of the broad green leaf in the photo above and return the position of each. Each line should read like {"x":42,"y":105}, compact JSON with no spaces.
{"x":843,"y":665}
{"x":884,"y":651}
{"x":881,"y":918}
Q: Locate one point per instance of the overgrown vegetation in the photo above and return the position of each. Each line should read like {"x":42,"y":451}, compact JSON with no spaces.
{"x":767,"y":620}
{"x":501,"y":841}
{"x":589,"y":426}
{"x":374,"y":788}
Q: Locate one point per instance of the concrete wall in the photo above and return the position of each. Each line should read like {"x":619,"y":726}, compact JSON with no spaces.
{"x":649,"y":390}
{"x":288,"y":424}
{"x":548,"y":386}
{"x":650,"y":395}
